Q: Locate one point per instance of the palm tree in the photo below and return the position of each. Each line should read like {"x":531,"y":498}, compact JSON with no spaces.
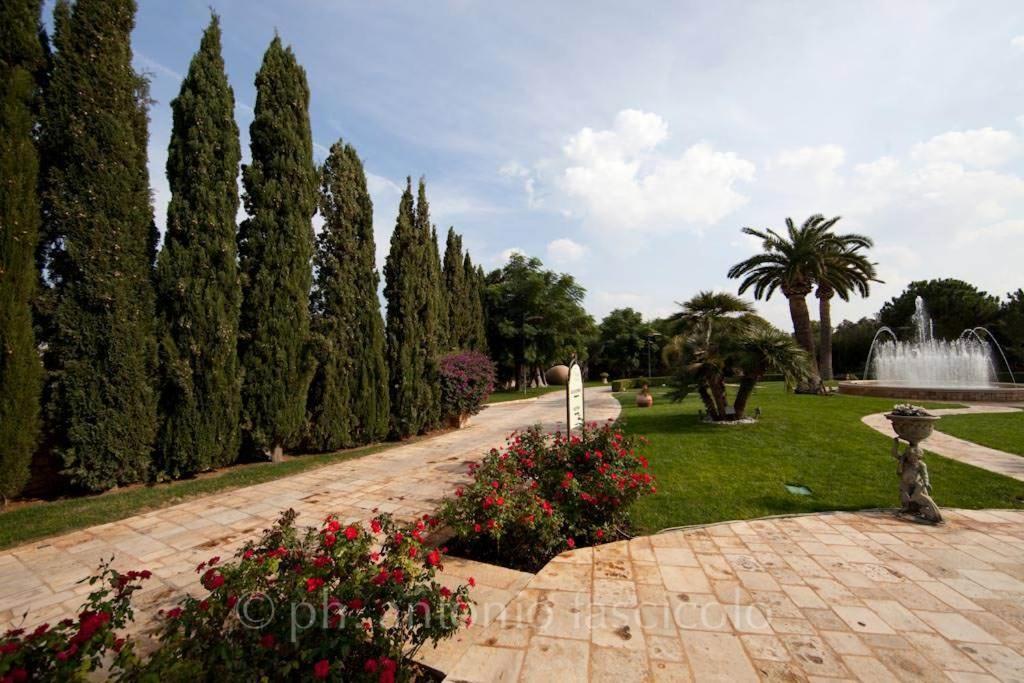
{"x":721,"y":338}
{"x":701,"y":312}
{"x":844,"y":269}
{"x":763,"y":349}
{"x":791,"y":263}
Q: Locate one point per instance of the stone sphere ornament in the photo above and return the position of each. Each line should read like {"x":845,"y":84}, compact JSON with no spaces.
{"x":557,"y":375}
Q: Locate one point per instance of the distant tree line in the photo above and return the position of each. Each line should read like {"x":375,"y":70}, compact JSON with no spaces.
{"x":126,"y":363}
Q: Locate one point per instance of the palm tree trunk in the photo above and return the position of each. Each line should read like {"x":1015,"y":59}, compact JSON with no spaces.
{"x":705,"y":398}
{"x":747,"y":385}
{"x":825,"y":294}
{"x":718,"y":394}
{"x":804,"y":336}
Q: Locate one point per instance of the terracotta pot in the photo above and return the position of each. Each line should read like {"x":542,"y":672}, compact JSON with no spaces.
{"x":644,"y":400}
{"x":557,"y":375}
{"x":458,"y":421}
{"x":912,"y":429}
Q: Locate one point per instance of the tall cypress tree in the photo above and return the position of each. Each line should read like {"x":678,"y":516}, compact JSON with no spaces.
{"x":348,"y":398}
{"x":456,"y":316}
{"x":102,"y":241}
{"x":476,"y":321}
{"x":407,"y":298}
{"x":275,"y":248}
{"x":435,"y":323}
{"x":21,"y":59}
{"x":198,"y":291}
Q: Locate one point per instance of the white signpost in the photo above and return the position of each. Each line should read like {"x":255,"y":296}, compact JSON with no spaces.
{"x":574,"y":399}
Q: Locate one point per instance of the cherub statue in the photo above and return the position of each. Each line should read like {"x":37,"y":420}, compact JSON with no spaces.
{"x":915,"y":488}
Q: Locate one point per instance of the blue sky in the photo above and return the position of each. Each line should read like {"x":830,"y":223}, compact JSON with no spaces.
{"x":627,"y":143}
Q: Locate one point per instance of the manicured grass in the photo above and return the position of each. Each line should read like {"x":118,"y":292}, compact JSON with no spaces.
{"x":38,"y":520}
{"x":708,"y":473}
{"x":1002,"y":431}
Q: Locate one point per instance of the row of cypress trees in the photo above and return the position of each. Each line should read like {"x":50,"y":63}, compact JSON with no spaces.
{"x":223,"y":344}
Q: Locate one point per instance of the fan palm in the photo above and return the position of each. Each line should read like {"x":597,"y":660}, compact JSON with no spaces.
{"x":763,"y":349}
{"x":701,"y":312}
{"x":721,"y":338}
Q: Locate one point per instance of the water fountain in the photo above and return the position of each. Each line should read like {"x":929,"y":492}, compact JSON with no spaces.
{"x":926,"y":368}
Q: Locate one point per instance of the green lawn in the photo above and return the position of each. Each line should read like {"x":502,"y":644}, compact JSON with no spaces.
{"x":37,"y":520}
{"x":1002,"y":431}
{"x":708,"y":473}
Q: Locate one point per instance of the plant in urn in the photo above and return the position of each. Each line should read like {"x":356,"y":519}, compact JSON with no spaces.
{"x":913,"y":425}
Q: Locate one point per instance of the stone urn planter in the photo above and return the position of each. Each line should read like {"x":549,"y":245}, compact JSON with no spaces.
{"x":644,"y":398}
{"x":913,"y":425}
{"x":912,"y":428}
{"x":458,"y":421}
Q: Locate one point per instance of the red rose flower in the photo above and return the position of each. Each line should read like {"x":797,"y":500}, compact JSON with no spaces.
{"x":321,"y":669}
{"x":267,"y":641}
{"x":375,"y":525}
{"x":313,"y":584}
{"x":434,"y":558}
{"x":351,"y":533}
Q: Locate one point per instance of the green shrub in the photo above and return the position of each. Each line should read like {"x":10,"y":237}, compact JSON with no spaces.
{"x":545,"y":493}
{"x":621,"y":384}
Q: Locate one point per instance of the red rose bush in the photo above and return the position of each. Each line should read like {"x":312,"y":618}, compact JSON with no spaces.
{"x":72,"y":648}
{"x":543,"y":494}
{"x":341,"y":602}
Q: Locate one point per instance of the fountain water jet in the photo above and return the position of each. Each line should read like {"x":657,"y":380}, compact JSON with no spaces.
{"x":928,"y":368}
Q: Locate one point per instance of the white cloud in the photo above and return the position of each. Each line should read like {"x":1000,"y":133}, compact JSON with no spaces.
{"x":385,"y":194}
{"x":618,"y":180}
{"x":819,"y":163}
{"x":506,"y":254}
{"x":515,"y":170}
{"x":1018,"y":42}
{"x":564,"y":251}
{"x":982,"y":148}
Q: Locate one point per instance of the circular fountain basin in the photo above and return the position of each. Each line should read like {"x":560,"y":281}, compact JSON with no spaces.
{"x":995,"y":393}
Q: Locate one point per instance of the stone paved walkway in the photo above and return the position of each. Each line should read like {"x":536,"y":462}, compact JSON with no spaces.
{"x":949,"y":446}
{"x":846,"y":596}
{"x":408,"y":481}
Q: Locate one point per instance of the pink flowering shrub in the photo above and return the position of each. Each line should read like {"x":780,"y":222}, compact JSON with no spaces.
{"x":341,"y":602}
{"x":467,"y":379}
{"x":72,"y":648}
{"x":543,"y":494}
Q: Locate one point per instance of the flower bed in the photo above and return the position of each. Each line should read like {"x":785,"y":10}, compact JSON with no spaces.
{"x":543,"y":494}
{"x":336,"y":603}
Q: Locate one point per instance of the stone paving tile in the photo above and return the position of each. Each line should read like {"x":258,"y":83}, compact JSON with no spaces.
{"x":891,"y":616}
